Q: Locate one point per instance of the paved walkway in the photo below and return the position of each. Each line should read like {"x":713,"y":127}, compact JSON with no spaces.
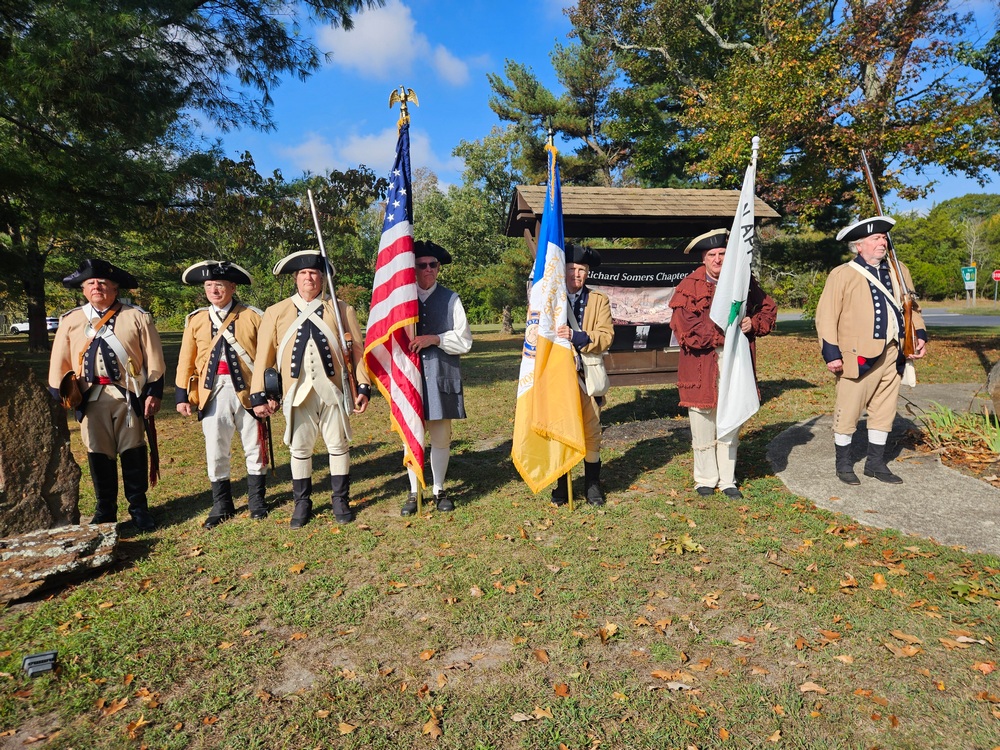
{"x":934,"y":501}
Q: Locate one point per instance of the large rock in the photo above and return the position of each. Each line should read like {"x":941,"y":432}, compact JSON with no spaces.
{"x":49,"y":557}
{"x":39,"y":480}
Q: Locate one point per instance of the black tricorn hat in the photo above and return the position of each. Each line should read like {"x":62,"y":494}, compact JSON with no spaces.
{"x":216,"y":270}
{"x":708,"y":241}
{"x":301,"y":260}
{"x":866,"y":227}
{"x":582,"y":255}
{"x":428,"y":249}
{"x":95,"y":268}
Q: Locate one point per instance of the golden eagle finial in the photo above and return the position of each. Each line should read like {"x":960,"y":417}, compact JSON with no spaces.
{"x":404,"y":96}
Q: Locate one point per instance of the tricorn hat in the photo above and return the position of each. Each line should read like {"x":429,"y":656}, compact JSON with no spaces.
{"x":708,"y":241}
{"x":866,"y":227}
{"x":582,"y":255}
{"x":301,"y":260}
{"x":428,"y":249}
{"x":95,"y":268}
{"x":216,"y":270}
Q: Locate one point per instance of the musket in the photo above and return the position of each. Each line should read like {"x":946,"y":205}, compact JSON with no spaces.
{"x":348,"y":385}
{"x":909,"y":338}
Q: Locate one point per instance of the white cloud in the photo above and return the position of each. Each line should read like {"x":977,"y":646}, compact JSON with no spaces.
{"x":449,"y":67}
{"x":375,"y":150}
{"x":385,"y":43}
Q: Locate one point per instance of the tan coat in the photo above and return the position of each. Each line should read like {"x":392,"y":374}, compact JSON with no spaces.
{"x":597,"y":323}
{"x":195,"y":352}
{"x":845,"y":317}
{"x":278,"y":318}
{"x":133,"y":326}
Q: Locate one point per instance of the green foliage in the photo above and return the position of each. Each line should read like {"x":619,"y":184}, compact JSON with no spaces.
{"x":945,"y":427}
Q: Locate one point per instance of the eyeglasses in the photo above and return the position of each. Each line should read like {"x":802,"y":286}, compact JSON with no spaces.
{"x":432,"y":264}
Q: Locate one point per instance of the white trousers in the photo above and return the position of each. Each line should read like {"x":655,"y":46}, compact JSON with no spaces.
{"x":223,"y":416}
{"x":440,"y":434}
{"x":306,"y":421}
{"x":714,"y":459}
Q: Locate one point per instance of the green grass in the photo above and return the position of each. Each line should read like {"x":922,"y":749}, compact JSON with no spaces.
{"x":216,"y":642}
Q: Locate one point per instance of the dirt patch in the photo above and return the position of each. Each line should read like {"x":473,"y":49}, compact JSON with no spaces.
{"x":621,"y":435}
{"x":32,"y":732}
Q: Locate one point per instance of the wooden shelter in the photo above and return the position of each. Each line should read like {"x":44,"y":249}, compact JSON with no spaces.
{"x":665,"y":219}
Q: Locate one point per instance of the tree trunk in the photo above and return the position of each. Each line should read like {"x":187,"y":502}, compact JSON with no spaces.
{"x":507,"y":321}
{"x":34,"y":291}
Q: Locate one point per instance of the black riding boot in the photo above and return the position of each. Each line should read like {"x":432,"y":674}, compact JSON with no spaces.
{"x":104,"y":474}
{"x":341,"y":485}
{"x":222,"y":504}
{"x":592,"y":482}
{"x":135,"y":478}
{"x":560,"y":493}
{"x":302,"y":495}
{"x":255,"y":496}
{"x":875,"y":465}
{"x":845,"y":466}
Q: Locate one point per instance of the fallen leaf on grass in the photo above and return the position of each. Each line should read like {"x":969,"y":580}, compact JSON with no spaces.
{"x":952,"y":644}
{"x":433,"y":726}
{"x":984,"y":666}
{"x":607,"y":632}
{"x":988,"y":697}
{"x":297,"y":568}
{"x":297,"y":637}
{"x":209,"y":720}
{"x":134,"y":728}
{"x":541,"y":654}
{"x":225,"y":644}
{"x":879,"y":582}
{"x":542,"y":713}
{"x":345,"y":728}
{"x":905,"y":636}
{"x":845,"y":658}
{"x":775,"y":737}
{"x":426,"y":654}
{"x":561,"y":689}
{"x":904,"y":652}
{"x":114,"y":707}
{"x":522,"y":717}
{"x":322,"y":714}
{"x":812,"y":687}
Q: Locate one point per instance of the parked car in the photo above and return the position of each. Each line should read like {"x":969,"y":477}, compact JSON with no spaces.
{"x":51,"y":324}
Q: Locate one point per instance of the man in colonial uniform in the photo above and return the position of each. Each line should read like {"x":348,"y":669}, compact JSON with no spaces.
{"x":213,"y":378}
{"x":299,"y":337}
{"x":107,"y":362}
{"x":443,"y":334}
{"x":860,"y":325}
{"x":591,"y":331}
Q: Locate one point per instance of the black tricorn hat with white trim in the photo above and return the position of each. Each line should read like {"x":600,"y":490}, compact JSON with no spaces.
{"x":428,"y":249}
{"x":216,"y":270}
{"x":582,"y":255}
{"x":95,"y":268}
{"x":302,"y":260}
{"x":866,"y":227}
{"x":708,"y":241}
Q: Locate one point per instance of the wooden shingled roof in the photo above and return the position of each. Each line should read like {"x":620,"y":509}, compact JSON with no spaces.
{"x":631,"y":212}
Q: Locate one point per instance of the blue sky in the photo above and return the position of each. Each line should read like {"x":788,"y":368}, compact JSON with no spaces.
{"x":339,"y":117}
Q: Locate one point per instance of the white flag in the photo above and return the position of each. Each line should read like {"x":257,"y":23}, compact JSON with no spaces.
{"x":738,"y":399}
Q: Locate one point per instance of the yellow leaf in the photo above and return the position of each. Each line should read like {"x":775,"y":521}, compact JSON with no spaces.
{"x":879,"y":583}
{"x":106,"y":605}
{"x":542,"y":713}
{"x":723,"y":733}
{"x":322,"y":714}
{"x":775,"y":737}
{"x":812,"y":687}
{"x":225,"y":644}
{"x":345,"y":728}
{"x":297,"y":568}
{"x":134,"y":728}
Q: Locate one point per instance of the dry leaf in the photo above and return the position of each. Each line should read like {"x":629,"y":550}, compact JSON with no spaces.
{"x":723,"y":733}
{"x":522,"y":717}
{"x":114,"y":707}
{"x":903,"y":651}
{"x":475,"y":591}
{"x":322,"y":714}
{"x":442,"y":680}
{"x":904,"y":636}
{"x":984,"y":666}
{"x":225,"y":644}
{"x":297,"y":568}
{"x":433,"y":726}
{"x":297,"y":637}
{"x":542,"y":713}
{"x":845,"y":658}
{"x":561,"y":689}
{"x":209,"y":720}
{"x":542,"y":655}
{"x":607,"y":632}
{"x":812,"y":687}
{"x":775,"y":737}
{"x":951,"y":644}
{"x":345,"y":728}
{"x":426,"y":654}
{"x":134,"y":728}
{"x":879,"y":583}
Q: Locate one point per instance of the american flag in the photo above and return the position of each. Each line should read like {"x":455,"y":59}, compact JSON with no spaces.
{"x":394,"y":312}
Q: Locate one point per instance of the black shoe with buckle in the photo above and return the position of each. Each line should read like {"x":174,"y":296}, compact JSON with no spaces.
{"x":444,"y":503}
{"x":410,"y":506}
